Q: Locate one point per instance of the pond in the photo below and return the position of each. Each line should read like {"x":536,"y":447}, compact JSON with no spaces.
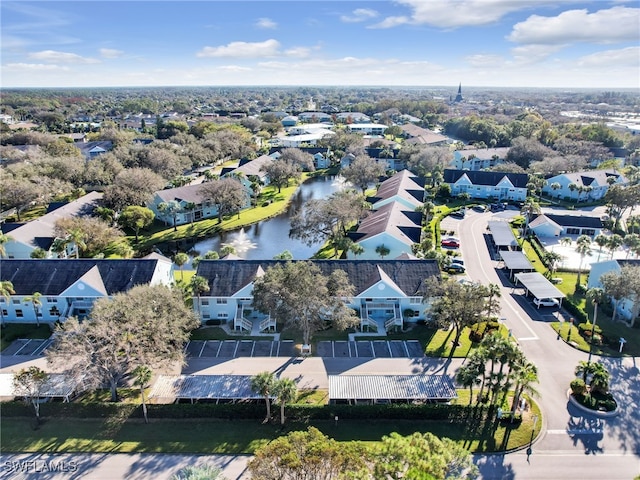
{"x":266,"y":239}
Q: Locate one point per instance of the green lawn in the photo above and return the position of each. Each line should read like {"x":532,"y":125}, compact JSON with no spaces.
{"x":239,"y":436}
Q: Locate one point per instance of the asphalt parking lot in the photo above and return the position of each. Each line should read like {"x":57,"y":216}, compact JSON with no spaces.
{"x":329,"y":349}
{"x":262,"y":348}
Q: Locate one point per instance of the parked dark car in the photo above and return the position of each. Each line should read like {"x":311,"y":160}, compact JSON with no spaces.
{"x":455,"y":268}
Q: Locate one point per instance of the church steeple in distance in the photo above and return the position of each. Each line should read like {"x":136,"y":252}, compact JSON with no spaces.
{"x":459,"y":95}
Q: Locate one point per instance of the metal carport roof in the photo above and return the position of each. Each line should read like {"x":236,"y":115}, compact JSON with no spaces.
{"x":538,"y":285}
{"x":57,"y":386}
{"x":391,"y":387}
{"x":516,"y":260}
{"x":502,"y":234}
{"x":201,"y":387}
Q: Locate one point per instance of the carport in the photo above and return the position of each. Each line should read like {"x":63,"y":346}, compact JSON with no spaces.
{"x":516,"y":262}
{"x":225,"y":388}
{"x":57,"y":387}
{"x":370,"y":389}
{"x":536,"y":284}
{"x":503,"y":237}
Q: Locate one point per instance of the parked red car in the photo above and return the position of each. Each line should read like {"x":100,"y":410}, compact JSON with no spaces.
{"x":450,"y":242}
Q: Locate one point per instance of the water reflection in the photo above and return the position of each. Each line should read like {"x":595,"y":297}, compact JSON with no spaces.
{"x":266,"y":239}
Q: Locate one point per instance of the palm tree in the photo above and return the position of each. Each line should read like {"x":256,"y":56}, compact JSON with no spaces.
{"x":172,"y":209}
{"x":227,"y":250}
{"x":526,"y":375}
{"x":531,"y":207}
{"x":573,"y":187}
{"x":614,"y":242}
{"x":4,"y":239}
{"x":467,"y":376}
{"x":6,"y":290}
{"x":36,"y":303}
{"x":583,"y":247}
{"x":285,"y":391}
{"x":600,"y":377}
{"x":76,"y":236}
{"x":180,"y":259}
{"x":631,"y":241}
{"x":552,"y":258}
{"x":428,"y":210}
{"x":566,"y":241}
{"x":356,"y":249}
{"x":596,"y":296}
{"x":382,"y":251}
{"x":190,"y":207}
{"x":494,"y":293}
{"x":142,"y":377}
{"x":555,"y":186}
{"x":602,"y":241}
{"x":263,"y":384}
{"x":198,"y":286}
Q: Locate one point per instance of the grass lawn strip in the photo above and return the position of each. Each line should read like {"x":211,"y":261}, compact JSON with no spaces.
{"x":234,"y":437}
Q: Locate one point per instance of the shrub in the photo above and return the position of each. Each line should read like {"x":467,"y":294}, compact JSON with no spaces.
{"x":578,"y":387}
{"x":480,"y":329}
{"x":585,"y":329}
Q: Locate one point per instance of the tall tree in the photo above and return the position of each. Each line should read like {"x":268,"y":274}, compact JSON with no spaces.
{"x":30,"y":384}
{"x":529,"y":209}
{"x":583,"y":248}
{"x":141,"y":378}
{"x":133,"y":186}
{"x":602,"y":241}
{"x":136,"y":218}
{"x":263,"y":384}
{"x":4,"y":239}
{"x":456,"y":304}
{"x":309,"y":455}
{"x":6,"y":290}
{"x":90,"y":235}
{"x":363,"y":171}
{"x":148,"y":325}
{"x":227,"y":194}
{"x":298,"y":294}
{"x":280,"y":172}
{"x":624,"y":285}
{"x":422,"y":456}
{"x":198,"y":285}
{"x":382,"y":250}
{"x":614,"y":242}
{"x":180,"y":259}
{"x":172,"y":208}
{"x":286,"y":391}
{"x":328,"y":219}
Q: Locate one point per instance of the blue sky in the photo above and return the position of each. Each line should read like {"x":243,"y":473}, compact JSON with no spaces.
{"x":504,"y":43}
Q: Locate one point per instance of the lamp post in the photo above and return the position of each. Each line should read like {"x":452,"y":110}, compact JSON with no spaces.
{"x":622,"y":342}
{"x":593,"y":330}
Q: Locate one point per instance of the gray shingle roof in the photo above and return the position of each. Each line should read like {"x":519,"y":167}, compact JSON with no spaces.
{"x":187,"y":193}
{"x":394,"y":219}
{"x":479,"y":177}
{"x":53,"y":276}
{"x":228,"y":277}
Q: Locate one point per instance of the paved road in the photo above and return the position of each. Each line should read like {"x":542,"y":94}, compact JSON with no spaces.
{"x":568,"y":432}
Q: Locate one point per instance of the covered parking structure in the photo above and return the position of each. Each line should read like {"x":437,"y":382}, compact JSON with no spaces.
{"x":211,"y":388}
{"x":502,"y":236}
{"x":516,"y":262}
{"x":537,"y":285}
{"x":371,"y":389}
{"x":57,"y":387}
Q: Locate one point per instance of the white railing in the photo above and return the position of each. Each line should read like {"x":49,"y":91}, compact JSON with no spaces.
{"x":239,"y":322}
{"x":395,"y":321}
{"x":267,"y":323}
{"x":368,"y":322}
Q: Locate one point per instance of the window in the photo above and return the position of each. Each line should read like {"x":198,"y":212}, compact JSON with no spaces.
{"x":206,"y":316}
{"x":221,"y":301}
{"x":52,"y":300}
{"x":54,"y":312}
{"x":573,"y":231}
{"x":5,"y":312}
{"x":222,"y":315}
{"x":19,"y":313}
{"x":2,"y":300}
{"x":16,"y":301}
{"x":415,"y":300}
{"x":204,"y":302}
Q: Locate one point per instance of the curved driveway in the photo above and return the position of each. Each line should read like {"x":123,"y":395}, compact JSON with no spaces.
{"x":577,"y":443}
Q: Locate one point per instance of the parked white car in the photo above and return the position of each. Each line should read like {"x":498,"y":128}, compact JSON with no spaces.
{"x":546,"y":302}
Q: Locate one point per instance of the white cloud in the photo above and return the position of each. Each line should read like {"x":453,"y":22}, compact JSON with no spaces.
{"x":32,"y":67}
{"x":485,"y":60}
{"x":617,"y":24}
{"x":266,"y":23}
{"x":268,"y":48}
{"x":53,"y":56}
{"x":298,"y":52}
{"x":458,"y":13}
{"x":111,"y":53}
{"x":534,"y":53}
{"x":629,"y":56}
{"x":234,"y":68}
{"x":359,"y":15}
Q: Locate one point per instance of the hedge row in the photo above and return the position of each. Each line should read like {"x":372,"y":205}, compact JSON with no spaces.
{"x":237,"y":411}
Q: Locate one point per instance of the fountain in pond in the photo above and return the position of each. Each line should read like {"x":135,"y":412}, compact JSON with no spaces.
{"x":340,"y":183}
{"x":240,"y":242}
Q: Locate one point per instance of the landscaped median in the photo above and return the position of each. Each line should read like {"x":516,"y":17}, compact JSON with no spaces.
{"x":238,"y":428}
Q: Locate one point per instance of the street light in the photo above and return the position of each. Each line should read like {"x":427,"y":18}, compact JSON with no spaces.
{"x":593,"y":330}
